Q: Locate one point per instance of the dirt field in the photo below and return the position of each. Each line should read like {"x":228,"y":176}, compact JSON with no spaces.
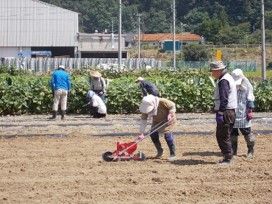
{"x":44,"y":161}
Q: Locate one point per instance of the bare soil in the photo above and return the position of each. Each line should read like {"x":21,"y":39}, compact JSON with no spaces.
{"x":43,"y":161}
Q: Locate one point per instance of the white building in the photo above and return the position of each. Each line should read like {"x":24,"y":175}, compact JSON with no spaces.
{"x":100,"y":45}
{"x":32,"y":25}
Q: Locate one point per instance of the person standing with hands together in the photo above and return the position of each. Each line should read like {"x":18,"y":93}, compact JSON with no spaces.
{"x":225,"y":103}
{"x":98,"y":84}
{"x":244,"y":112}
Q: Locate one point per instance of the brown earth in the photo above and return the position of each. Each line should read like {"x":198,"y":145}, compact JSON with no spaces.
{"x":43,"y":161}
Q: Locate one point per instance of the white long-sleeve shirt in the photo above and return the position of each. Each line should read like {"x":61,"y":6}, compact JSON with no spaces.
{"x":98,"y":102}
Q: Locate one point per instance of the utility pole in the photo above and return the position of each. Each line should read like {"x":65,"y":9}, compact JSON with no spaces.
{"x":112,"y":35}
{"x":119,"y":36}
{"x":139,"y":40}
{"x":263,"y":43}
{"x":174,"y":34}
{"x":181,"y":32}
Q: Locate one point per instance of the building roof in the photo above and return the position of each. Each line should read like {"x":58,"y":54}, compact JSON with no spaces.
{"x":168,"y":36}
{"x":52,"y":5}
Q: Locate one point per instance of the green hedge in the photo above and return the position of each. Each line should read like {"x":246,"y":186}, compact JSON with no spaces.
{"x":192,"y":91}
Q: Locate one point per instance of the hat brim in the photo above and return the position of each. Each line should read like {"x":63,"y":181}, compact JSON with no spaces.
{"x":145,"y":108}
{"x":216,"y":69}
{"x":97,"y":75}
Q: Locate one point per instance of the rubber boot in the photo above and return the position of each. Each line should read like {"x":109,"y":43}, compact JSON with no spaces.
{"x":234,"y":144}
{"x":54,"y":115}
{"x":250,"y":151}
{"x":156,"y":141}
{"x":62,"y":114}
{"x":159,"y":150}
{"x":172,"y":149}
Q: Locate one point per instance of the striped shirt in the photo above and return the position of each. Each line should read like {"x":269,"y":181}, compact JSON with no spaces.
{"x":241,"y":111}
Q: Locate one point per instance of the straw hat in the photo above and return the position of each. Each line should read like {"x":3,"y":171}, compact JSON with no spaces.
{"x":95,"y":74}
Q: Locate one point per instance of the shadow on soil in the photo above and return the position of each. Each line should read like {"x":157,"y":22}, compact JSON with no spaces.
{"x":203,"y":154}
{"x":191,"y":162}
{"x":32,"y":135}
{"x":61,"y":125}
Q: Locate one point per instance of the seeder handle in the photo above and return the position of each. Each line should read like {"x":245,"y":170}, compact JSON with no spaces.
{"x":154,"y":129}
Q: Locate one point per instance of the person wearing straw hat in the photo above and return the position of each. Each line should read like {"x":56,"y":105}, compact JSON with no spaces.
{"x":98,"y":84}
{"x":244,"y":112}
{"x":147,"y":87}
{"x":60,"y":84}
{"x":161,"y":110}
{"x":225,"y":103}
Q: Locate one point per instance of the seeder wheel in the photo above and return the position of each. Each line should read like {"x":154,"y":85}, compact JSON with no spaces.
{"x":107,"y":156}
{"x":139,"y":156}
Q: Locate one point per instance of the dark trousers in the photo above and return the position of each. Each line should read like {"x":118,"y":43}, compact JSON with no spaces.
{"x":95,"y":114}
{"x":249,"y":138}
{"x":169,"y":138}
{"x":223,"y":132}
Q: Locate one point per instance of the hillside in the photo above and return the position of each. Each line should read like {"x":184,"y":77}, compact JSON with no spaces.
{"x":220,"y":22}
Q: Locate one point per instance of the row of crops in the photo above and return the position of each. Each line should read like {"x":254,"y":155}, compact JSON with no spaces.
{"x":191,"y":90}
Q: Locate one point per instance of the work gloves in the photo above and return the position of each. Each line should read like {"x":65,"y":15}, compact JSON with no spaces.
{"x":170,"y":116}
{"x":140,"y":137}
{"x":219,"y":117}
{"x":250,"y":106}
{"x":249,"y":114}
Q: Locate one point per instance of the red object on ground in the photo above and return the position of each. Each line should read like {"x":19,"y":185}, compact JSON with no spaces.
{"x":132,"y":146}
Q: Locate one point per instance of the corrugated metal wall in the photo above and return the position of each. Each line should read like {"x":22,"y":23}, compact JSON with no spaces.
{"x":50,"y":64}
{"x":34,"y":23}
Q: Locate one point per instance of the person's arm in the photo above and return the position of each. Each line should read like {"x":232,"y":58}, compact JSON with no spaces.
{"x":143,"y":123}
{"x":104,"y":86}
{"x":171,"y":106}
{"x":224,"y":90}
{"x":91,"y":84}
{"x":69,"y":82}
{"x":142,"y":85}
{"x":52,"y":83}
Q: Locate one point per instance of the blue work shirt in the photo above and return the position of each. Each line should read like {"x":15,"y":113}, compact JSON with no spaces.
{"x":60,"y":80}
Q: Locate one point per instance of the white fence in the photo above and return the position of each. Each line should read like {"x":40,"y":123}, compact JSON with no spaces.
{"x":50,"y":64}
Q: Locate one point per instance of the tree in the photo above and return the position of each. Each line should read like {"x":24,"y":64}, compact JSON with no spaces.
{"x":195,"y":53}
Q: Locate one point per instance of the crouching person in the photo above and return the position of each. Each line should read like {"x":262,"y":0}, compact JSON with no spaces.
{"x":98,"y":108}
{"x":162,"y":111}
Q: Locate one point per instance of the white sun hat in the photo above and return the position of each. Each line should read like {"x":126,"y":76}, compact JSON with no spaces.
{"x":147,"y":104}
{"x":238,"y":76}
